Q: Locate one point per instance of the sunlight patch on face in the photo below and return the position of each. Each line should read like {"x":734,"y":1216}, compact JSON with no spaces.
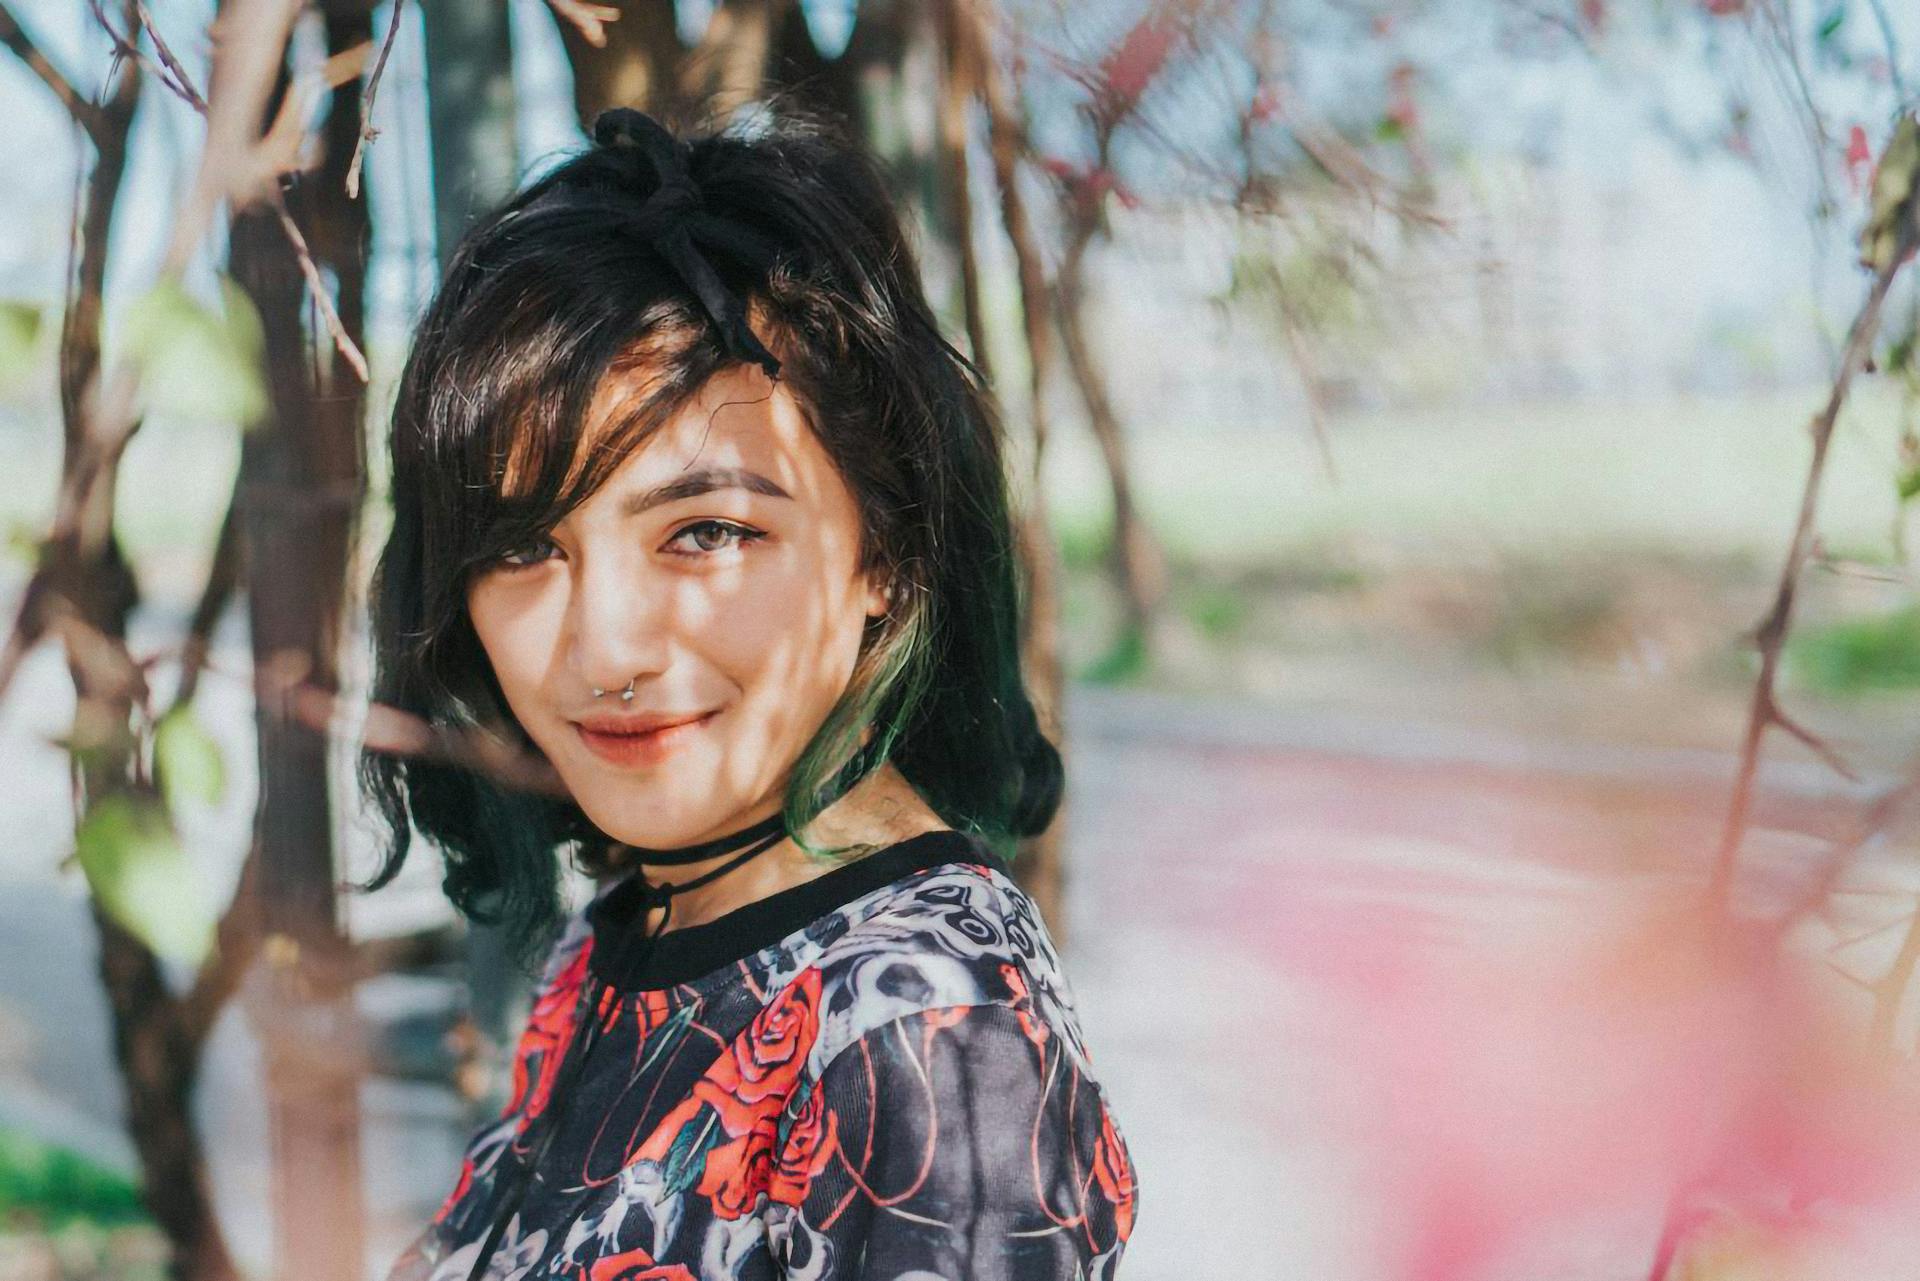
{"x":621,"y":399}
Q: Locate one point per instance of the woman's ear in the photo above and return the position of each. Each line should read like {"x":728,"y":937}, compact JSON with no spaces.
{"x":881,"y":593}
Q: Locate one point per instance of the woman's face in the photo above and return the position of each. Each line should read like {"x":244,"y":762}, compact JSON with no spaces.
{"x":718,"y":570}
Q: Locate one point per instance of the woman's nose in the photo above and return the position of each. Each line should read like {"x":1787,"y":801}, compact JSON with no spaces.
{"x":618,"y":627}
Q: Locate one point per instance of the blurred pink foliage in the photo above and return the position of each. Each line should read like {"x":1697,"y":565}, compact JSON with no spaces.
{"x":1508,"y":1096}
{"x":1859,"y":159}
{"x":1130,"y":67}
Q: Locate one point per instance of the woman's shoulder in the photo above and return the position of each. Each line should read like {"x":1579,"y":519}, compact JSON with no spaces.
{"x":946,"y":938}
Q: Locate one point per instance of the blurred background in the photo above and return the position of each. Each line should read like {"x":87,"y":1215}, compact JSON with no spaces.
{"x":1468,"y":446}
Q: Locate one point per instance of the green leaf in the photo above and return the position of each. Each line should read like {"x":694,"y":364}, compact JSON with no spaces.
{"x":196,"y":363}
{"x":687,"y":1157}
{"x":1908,"y":482}
{"x":1830,"y":25}
{"x":187,"y":760}
{"x":1893,"y":200}
{"x":24,"y":539}
{"x":19,"y":340}
{"x":142,"y":878}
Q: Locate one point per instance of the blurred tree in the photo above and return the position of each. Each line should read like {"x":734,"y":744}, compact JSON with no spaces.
{"x":286,"y":538}
{"x":470,"y":113}
{"x":82,"y":592}
{"x":302,"y":479}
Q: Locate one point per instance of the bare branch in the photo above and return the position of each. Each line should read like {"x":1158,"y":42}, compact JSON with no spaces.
{"x":237,"y":939}
{"x":1891,"y":988}
{"x":588,"y":19}
{"x":349,"y":350}
{"x":28,"y":627}
{"x":389,"y":731}
{"x":15,"y":37}
{"x":1764,"y":710}
{"x":1842,"y":972}
{"x":223,"y":577}
{"x":278,"y":150}
{"x":1840,"y":855}
{"x":250,"y":40}
{"x":367,"y":131}
{"x":1819,"y":746}
{"x":168,"y":71}
{"x":175,"y":74}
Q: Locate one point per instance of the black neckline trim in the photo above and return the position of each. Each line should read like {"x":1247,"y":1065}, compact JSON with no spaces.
{"x":680,"y":956}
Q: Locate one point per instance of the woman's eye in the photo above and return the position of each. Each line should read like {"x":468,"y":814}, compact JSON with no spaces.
{"x":707,"y":536}
{"x":531,"y":554}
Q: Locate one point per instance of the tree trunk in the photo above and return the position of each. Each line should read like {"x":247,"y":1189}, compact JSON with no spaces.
{"x":83,"y":569}
{"x":1138,"y":567}
{"x":470,"y":113}
{"x":1041,"y":865}
{"x":159,"y":1063}
{"x":304,"y":472}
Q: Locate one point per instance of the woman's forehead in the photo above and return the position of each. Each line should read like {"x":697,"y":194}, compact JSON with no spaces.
{"x":739,"y":420}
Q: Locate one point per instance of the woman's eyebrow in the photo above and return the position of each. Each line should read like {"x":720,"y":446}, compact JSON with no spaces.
{"x":704,"y":481}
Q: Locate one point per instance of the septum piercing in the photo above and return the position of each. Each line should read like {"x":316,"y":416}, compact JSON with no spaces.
{"x":626,"y":695}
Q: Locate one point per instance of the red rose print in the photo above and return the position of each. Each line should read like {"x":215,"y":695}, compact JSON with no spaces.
{"x":1113,"y":1170}
{"x":549,"y":1028}
{"x":769,"y":1057}
{"x":636,"y":1265}
{"x":808,"y":1148}
{"x":755,"y":1074}
{"x":749,"y":1083}
{"x":737,"y":1172}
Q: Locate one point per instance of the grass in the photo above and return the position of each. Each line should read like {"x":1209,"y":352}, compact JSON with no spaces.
{"x":1700,"y":477}
{"x":51,"y":1187}
{"x":1859,"y":656}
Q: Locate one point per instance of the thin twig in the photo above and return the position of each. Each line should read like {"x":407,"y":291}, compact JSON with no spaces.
{"x":1891,"y":988}
{"x":223,"y":579}
{"x":15,"y":37}
{"x":288,"y":118}
{"x":367,"y":132}
{"x":389,"y":731}
{"x":317,"y":288}
{"x":182,"y":83}
{"x":590,"y":20}
{"x":1840,"y":855}
{"x":1818,"y":745}
{"x":237,"y":937}
{"x":167,"y":70}
{"x":1764,"y":710}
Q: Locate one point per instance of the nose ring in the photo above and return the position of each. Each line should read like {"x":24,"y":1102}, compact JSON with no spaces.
{"x":626,"y":695}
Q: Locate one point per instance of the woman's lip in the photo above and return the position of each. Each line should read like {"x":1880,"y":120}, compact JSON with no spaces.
{"x":646,"y":748}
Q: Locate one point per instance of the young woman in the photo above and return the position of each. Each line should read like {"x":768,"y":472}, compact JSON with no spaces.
{"x":695,"y":509}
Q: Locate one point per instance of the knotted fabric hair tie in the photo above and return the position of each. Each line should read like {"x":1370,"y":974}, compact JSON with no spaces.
{"x":680,"y":224}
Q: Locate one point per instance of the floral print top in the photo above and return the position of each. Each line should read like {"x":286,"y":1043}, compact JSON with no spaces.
{"x":890,"y":1086}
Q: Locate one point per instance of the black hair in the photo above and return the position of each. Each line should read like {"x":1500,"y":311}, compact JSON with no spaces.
{"x":568,"y":282}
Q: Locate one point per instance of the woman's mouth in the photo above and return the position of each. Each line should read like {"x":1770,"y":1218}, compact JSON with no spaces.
{"x":643,"y":741}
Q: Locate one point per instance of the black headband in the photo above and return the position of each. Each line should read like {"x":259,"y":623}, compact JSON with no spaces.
{"x":680,"y":225}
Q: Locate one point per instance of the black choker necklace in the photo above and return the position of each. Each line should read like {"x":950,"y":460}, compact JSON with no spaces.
{"x":709,"y":849}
